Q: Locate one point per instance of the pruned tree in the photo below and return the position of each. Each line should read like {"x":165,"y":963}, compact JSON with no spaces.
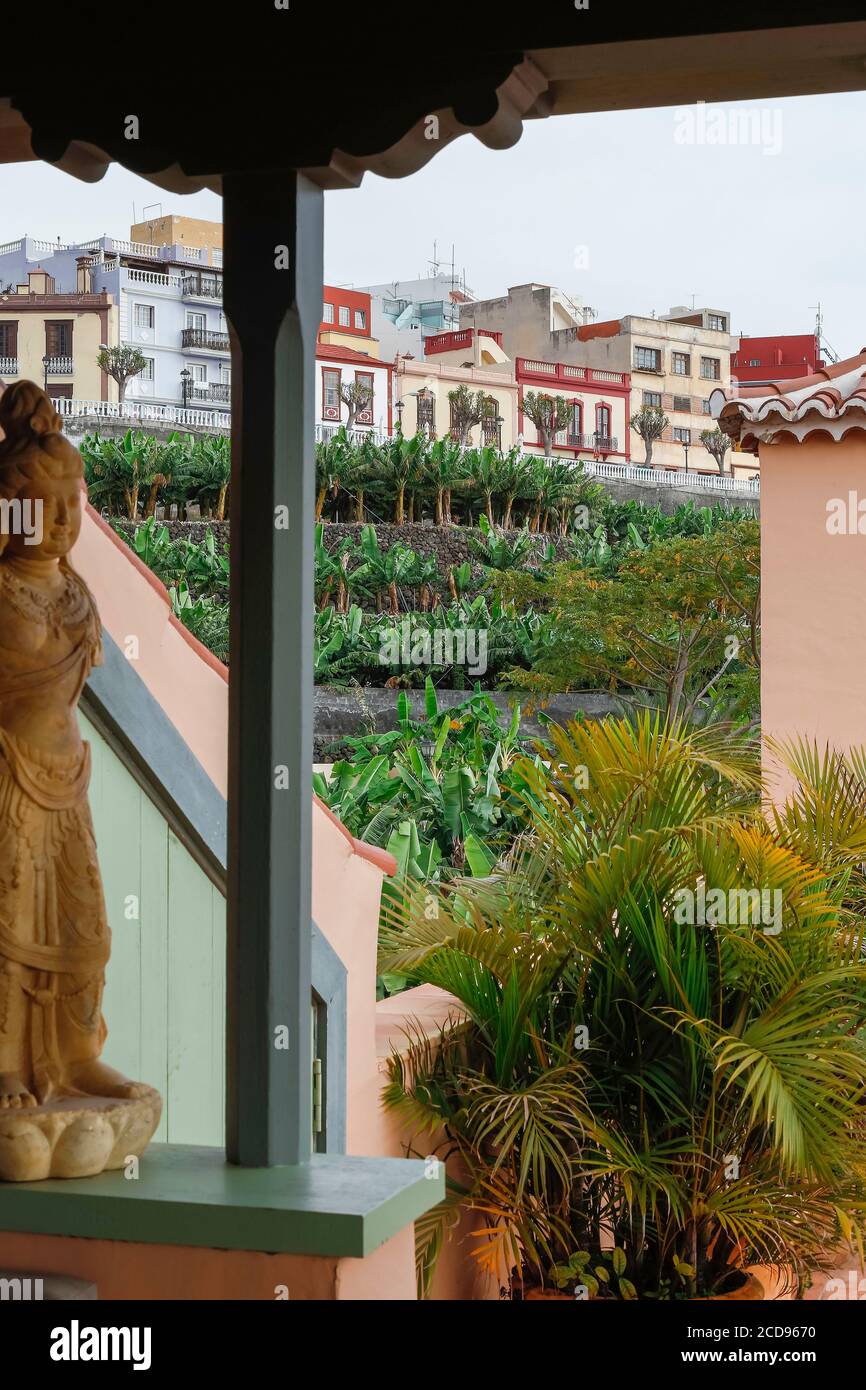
{"x":716,"y":443}
{"x":356,"y":396}
{"x":549,"y":415}
{"x":121,"y":364}
{"x":649,"y":422}
{"x":468,"y":408}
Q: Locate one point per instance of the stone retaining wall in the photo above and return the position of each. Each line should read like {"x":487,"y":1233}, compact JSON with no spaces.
{"x":338,"y":713}
{"x":669,"y":498}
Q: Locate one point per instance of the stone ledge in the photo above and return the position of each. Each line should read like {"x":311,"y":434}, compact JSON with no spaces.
{"x":336,"y":1204}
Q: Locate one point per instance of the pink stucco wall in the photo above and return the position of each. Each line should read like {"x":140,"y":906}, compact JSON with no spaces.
{"x":813,"y":649}
{"x":134,"y":609}
{"x":131,"y":1270}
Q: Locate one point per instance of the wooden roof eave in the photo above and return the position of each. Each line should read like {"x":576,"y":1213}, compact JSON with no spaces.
{"x":337,"y":136}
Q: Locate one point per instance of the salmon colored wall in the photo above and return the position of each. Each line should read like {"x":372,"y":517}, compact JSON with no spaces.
{"x":813,"y":648}
{"x":131,"y":1270}
{"x":426,"y":1008}
{"x":132,"y":603}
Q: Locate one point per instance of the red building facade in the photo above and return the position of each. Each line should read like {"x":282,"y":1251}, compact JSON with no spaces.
{"x":762,"y":361}
{"x":346,"y":311}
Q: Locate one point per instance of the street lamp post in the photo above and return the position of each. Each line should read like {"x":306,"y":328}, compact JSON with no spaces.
{"x":399,"y":406}
{"x":46,"y":359}
{"x":185,"y":378}
{"x":686,"y":445}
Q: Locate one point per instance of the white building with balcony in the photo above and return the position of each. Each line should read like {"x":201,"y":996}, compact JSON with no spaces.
{"x":170,"y":307}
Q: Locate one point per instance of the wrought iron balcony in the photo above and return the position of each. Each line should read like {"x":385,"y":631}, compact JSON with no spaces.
{"x":8,"y":366}
{"x":604,"y":443}
{"x":220,"y":391}
{"x":58,"y":366}
{"x":199,"y":286}
{"x":204,"y":339}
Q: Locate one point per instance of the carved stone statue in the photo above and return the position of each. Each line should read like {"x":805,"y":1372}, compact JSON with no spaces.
{"x":63,"y":1112}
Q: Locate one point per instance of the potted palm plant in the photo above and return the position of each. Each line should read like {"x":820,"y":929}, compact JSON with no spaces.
{"x":639,"y":1074}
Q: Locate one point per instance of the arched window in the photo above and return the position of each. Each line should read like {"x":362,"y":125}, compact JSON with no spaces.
{"x":491,"y":423}
{"x":602,"y":427}
{"x":575,"y":425}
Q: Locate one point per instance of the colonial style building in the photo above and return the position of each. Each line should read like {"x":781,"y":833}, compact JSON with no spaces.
{"x":347,"y":320}
{"x":169,"y":306}
{"x":337,"y":367}
{"x":598,"y":401}
{"x":423,"y":402}
{"x":54,"y":338}
{"x":675,"y":362}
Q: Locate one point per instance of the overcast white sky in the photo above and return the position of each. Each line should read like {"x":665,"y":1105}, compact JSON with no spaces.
{"x":629,"y":211}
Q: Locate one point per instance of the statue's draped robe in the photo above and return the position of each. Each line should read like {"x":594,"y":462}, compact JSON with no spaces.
{"x":54,"y":935}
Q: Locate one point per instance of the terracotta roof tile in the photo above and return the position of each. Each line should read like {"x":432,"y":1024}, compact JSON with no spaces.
{"x":337,"y":353}
{"x":830,"y":402}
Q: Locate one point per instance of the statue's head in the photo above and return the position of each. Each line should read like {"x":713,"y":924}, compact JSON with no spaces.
{"x":40,"y":477}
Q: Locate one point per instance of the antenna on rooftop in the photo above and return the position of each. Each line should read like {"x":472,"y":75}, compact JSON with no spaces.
{"x":823,"y":346}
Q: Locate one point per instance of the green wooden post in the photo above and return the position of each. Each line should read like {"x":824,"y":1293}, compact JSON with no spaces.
{"x":273,"y":301}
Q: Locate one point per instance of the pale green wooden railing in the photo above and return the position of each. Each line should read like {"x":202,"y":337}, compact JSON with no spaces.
{"x":165,"y":985}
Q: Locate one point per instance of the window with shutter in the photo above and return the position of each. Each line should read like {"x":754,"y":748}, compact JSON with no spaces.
{"x":426,"y":413}
{"x":330,"y":393}
{"x":9,"y":340}
{"x":58,"y":338}
{"x":365,"y":416}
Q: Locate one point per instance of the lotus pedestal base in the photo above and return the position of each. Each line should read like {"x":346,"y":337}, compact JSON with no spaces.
{"x":76,"y":1137}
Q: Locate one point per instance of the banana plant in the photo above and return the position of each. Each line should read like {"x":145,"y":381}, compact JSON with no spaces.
{"x":489,"y":476}
{"x":441,"y":472}
{"x":117,"y":467}
{"x":459,"y":579}
{"x":339,"y":641}
{"x":496,"y":551}
{"x":203,"y":565}
{"x":423,"y":577}
{"x":385,"y":571}
{"x":209,"y":463}
{"x":401,"y":462}
{"x":334,"y":459}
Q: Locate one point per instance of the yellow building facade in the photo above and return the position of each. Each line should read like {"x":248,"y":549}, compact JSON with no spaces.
{"x":172,"y":230}
{"x":54,"y":339}
{"x":422,"y":390}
